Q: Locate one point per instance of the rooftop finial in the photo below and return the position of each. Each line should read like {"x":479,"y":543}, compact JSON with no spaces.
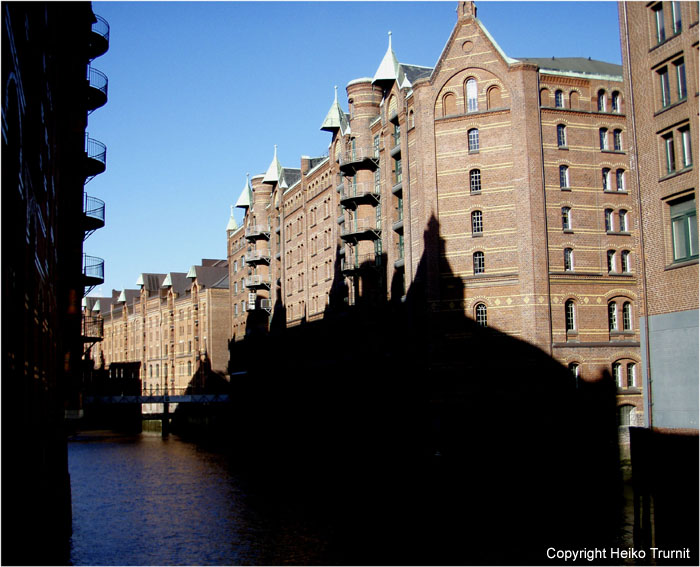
{"x":335,"y":88}
{"x":231,"y":210}
{"x":275,"y":150}
{"x":390,"y":40}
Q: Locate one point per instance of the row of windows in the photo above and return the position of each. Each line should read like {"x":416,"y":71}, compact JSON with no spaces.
{"x":574,"y":96}
{"x":669,"y":140}
{"x":659,"y":20}
{"x":471,"y":91}
{"x":680,"y":87}
{"x":613,"y":316}
{"x":624,"y":374}
{"x":603,"y":135}
{"x":606,"y":179}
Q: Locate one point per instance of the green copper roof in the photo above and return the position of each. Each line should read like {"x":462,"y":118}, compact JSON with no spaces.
{"x":246,"y":194}
{"x":272,"y":175}
{"x":335,"y":119}
{"x":232,"y":224}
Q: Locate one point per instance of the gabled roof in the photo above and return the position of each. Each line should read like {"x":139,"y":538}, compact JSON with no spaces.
{"x":291,"y":175}
{"x":150,"y":282}
{"x":273,"y":173}
{"x":177,"y":281}
{"x":209,"y":275}
{"x":128,"y":295}
{"x":583,"y":65}
{"x":246,"y":194}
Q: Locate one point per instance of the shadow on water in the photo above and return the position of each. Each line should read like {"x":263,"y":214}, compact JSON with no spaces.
{"x":421,"y":436}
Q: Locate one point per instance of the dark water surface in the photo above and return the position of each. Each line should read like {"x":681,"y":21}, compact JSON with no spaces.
{"x":142,"y":500}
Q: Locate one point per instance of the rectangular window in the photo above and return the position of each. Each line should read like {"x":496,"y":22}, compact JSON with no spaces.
{"x":603,"y":134}
{"x":684,"y":230}
{"x":680,"y":79}
{"x":670,"y":153}
{"x":659,"y":23}
{"x":397,"y":171}
{"x":687,"y":149}
{"x":376,"y":146}
{"x":676,"y":13}
{"x":665,"y":87}
{"x":617,"y":140}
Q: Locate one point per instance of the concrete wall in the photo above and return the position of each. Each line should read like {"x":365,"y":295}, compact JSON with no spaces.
{"x":673,"y":346}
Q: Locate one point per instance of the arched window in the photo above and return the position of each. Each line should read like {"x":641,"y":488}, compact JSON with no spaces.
{"x":493,"y":97}
{"x":189,"y":368}
{"x":568,"y":259}
{"x":481,"y":315}
{"x":570,"y":313}
{"x":566,"y":218}
{"x":616,"y":102}
{"x":449,"y":105}
{"x":626,"y":261}
{"x":479,"y":264}
{"x":564,"y":176}
{"x":473,"y":136}
{"x":472,"y":96}
{"x":606,"y":179}
{"x":611,"y":261}
{"x":626,"y":316}
{"x":477,"y":223}
{"x":612,"y":316}
{"x":603,"y":135}
{"x":544,"y":97}
{"x":559,"y":99}
{"x":608,"y":220}
{"x":623,"y":220}
{"x":411,"y":119}
{"x":617,"y":374}
{"x":561,"y":135}
{"x":631,"y":375}
{"x":617,"y":140}
{"x":573,"y":99}
{"x":475,"y":181}
{"x":620,"y":179}
{"x":575,"y":370}
{"x":601,"y":101}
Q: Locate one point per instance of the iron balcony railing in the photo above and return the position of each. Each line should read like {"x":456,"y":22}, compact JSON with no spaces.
{"x":357,"y":155}
{"x":93,"y":268}
{"x":93,"y":327}
{"x":358,"y":191}
{"x":255,"y":256}
{"x":97,"y":93}
{"x":96,"y":153}
{"x":99,"y":38}
{"x":94,"y":208}
{"x":257,"y":231}
{"x":362,"y":261}
{"x":358,"y":226}
{"x":256,"y":281}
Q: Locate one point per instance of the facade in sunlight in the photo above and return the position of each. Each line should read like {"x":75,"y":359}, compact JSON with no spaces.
{"x":524,"y":164}
{"x":660,"y":53}
{"x":170,"y":325}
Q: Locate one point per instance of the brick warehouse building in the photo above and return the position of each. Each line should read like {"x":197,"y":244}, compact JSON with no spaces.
{"x":170,"y":326}
{"x":49,"y":89}
{"x":507,"y":180}
{"x":660,"y":57}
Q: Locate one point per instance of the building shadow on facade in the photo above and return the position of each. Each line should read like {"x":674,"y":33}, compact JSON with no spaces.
{"x":423,"y":437}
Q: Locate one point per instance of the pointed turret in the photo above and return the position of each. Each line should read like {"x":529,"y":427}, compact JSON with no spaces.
{"x":335,"y":119}
{"x":232,"y":224}
{"x":246,"y":194}
{"x":389,"y":69}
{"x":273,"y":173}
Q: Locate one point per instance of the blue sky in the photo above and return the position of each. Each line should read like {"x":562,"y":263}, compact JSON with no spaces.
{"x":200,"y":92}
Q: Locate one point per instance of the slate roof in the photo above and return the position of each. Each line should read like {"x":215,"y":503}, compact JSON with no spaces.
{"x":291,"y":175}
{"x":415,"y":72}
{"x":575,"y":64}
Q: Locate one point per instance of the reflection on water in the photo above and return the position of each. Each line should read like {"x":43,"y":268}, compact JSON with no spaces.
{"x":142,"y":500}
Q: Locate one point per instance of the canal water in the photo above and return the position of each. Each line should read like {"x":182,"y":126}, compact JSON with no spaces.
{"x":144,"y":500}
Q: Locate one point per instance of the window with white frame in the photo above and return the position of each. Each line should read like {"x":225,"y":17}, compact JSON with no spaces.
{"x":559,"y":99}
{"x":566,"y":218}
{"x":658,"y":13}
{"x":603,"y":136}
{"x":561,"y":135}
{"x":676,"y":17}
{"x":669,"y":152}
{"x":475,"y":181}
{"x":620,"y":179}
{"x":681,"y":85}
{"x":601,"y":101}
{"x":481,"y":315}
{"x":684,"y":229}
{"x":631,"y":375}
{"x":664,"y":86}
{"x":479,"y":264}
{"x":568,"y":259}
{"x":626,"y":316}
{"x":617,"y":374}
{"x":564,"y":176}
{"x":570,"y":315}
{"x":473,"y":136}
{"x":611,"y":261}
{"x":477,"y":223}
{"x":626,"y":261}
{"x":622,"y":214}
{"x":606,"y":179}
{"x":472,"y":96}
{"x":612,"y":316}
{"x":616,"y":102}
{"x":687,"y":152}
{"x":617,"y":140}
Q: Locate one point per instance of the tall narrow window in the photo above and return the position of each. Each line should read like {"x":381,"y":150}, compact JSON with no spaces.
{"x":603,"y":136}
{"x":568,"y":259}
{"x":574,"y":368}
{"x":398,"y":172}
{"x":479,"y":266}
{"x":631,"y":375}
{"x":561,"y":135}
{"x":626,"y":262}
{"x":563,"y":176}
{"x":687,"y":155}
{"x":477,"y":223}
{"x":617,"y":140}
{"x":623,"y":220}
{"x":570,"y":313}
{"x":606,"y":179}
{"x":664,"y":86}
{"x":566,"y":218}
{"x":472,"y":96}
{"x":375,"y":145}
{"x":481,"y":315}
{"x":684,"y":230}
{"x":449,"y":105}
{"x":611,"y":261}
{"x":670,"y":152}
{"x":559,"y":99}
{"x":620,"y":179}
{"x":601,"y":101}
{"x":475,"y":181}
{"x":626,"y":316}
{"x":617,"y":375}
{"x":676,"y":14}
{"x":680,"y":79}
{"x":659,"y":22}
{"x":616,"y":102}
{"x":473,"y":136}
{"x":612,"y":316}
